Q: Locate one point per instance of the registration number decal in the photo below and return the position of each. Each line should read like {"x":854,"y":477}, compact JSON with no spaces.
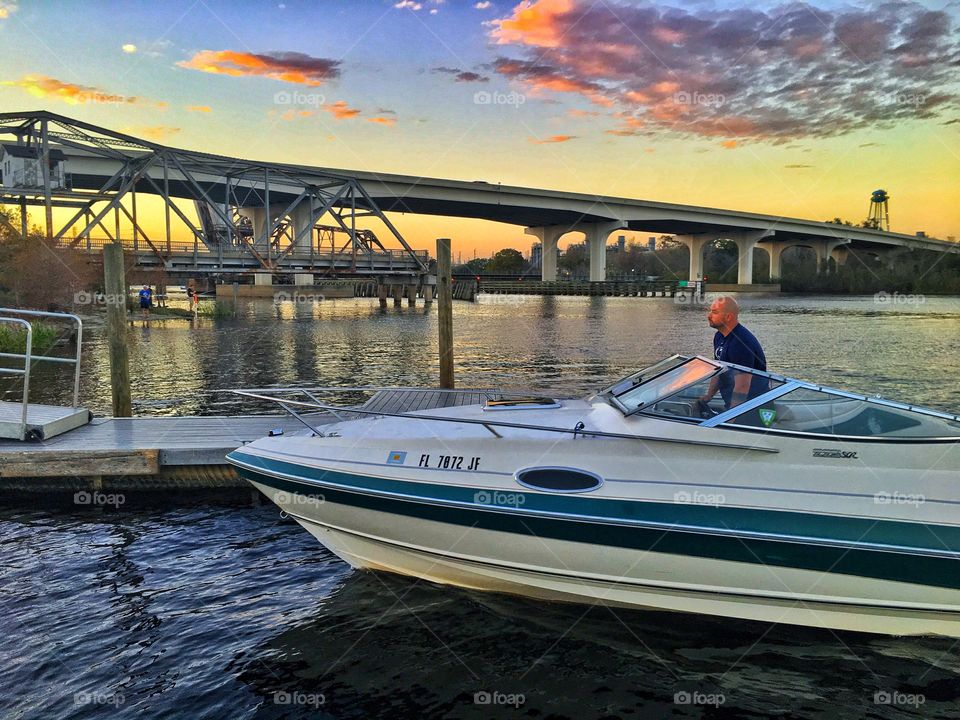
{"x":450,"y":462}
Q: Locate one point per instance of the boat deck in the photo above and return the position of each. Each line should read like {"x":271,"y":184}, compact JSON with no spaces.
{"x":179,"y":452}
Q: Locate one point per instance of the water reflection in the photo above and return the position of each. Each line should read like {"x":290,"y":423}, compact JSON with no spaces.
{"x":385,"y":645}
{"x":554,"y":344}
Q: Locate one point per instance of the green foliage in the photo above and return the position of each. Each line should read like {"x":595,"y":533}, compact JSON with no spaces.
{"x":13,"y":338}
{"x":506,"y":262}
{"x":473,"y":267}
{"x":216,"y":309}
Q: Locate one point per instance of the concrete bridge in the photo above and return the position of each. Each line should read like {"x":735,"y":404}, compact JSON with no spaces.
{"x":269,"y":212}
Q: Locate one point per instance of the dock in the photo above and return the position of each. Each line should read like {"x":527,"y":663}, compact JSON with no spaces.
{"x":114,"y":462}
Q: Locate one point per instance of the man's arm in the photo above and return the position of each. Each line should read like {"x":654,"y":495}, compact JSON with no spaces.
{"x":711,"y":390}
{"x":741,"y":388}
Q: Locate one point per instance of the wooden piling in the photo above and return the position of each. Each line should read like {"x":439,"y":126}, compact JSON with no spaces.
{"x":115,"y":286}
{"x":445,"y":312}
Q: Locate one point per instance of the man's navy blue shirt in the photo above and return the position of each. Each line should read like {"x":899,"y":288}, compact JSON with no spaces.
{"x":740,"y":347}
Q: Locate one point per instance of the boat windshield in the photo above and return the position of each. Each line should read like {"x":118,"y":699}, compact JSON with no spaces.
{"x":822,"y":412}
{"x":667,"y":378}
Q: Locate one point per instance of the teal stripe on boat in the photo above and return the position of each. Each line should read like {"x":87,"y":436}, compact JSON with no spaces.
{"x":922,"y":536}
{"x":877,"y":565}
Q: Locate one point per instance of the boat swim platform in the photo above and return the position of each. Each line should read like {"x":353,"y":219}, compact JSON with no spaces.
{"x":166,"y":459}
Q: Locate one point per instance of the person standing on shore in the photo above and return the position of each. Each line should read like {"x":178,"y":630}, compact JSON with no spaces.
{"x":146,"y":300}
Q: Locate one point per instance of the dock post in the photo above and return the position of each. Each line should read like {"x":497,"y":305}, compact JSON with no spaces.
{"x":397,"y":295}
{"x":411,"y":295}
{"x":445,"y":312}
{"x":382,"y":290}
{"x":236,"y":293}
{"x":116,"y":289}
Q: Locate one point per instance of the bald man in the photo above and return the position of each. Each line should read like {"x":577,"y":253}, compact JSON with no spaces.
{"x":733,"y":343}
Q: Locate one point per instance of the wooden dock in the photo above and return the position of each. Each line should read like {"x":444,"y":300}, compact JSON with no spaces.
{"x":165,"y":459}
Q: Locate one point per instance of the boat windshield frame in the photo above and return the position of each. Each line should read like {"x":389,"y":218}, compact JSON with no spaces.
{"x":785,"y":385}
{"x":637,"y":380}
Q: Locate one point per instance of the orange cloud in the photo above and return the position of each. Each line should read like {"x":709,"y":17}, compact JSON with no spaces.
{"x":42,"y":86}
{"x":291,"y":67}
{"x":157,"y":133}
{"x":389,"y":122}
{"x":730,"y":144}
{"x":199,"y":108}
{"x":533,"y":23}
{"x":341,"y":111}
{"x":552,"y":139}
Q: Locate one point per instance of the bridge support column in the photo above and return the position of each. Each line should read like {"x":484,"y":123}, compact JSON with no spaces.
{"x":597,"y":234}
{"x":840,"y":255}
{"x":548,"y":237}
{"x":746,"y":241}
{"x":696,"y":245}
{"x":411,"y":295}
{"x":775,"y":251}
{"x":302,"y":219}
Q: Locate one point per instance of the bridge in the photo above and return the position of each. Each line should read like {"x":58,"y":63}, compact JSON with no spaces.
{"x":265,"y":218}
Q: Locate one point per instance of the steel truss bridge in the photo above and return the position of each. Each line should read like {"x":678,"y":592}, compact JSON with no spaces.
{"x":249,"y":216}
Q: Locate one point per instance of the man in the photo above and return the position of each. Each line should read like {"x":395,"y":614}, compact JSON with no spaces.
{"x":733,"y":343}
{"x":146,"y":300}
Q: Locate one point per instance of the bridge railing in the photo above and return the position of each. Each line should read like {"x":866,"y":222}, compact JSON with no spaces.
{"x":96,"y":244}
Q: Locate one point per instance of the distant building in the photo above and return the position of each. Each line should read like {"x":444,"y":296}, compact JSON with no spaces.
{"x":651,"y":244}
{"x":20,"y":167}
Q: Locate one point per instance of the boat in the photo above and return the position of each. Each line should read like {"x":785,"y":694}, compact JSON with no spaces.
{"x":802,"y":505}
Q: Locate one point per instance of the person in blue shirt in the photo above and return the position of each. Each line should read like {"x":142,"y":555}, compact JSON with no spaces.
{"x":733,"y":343}
{"x":146,"y":299}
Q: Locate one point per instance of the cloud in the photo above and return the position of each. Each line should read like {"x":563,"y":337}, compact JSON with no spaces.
{"x":730,"y":144}
{"x":129,"y":48}
{"x":870,"y":144}
{"x":736,"y":71}
{"x":797,"y":166}
{"x":482,"y":5}
{"x":42,"y":86}
{"x":408,"y":5}
{"x":7,"y":8}
{"x":199,"y":108}
{"x":552,"y":139}
{"x":291,"y":67}
{"x":462,"y":75}
{"x":388,"y":121}
{"x":951,"y":122}
{"x":157,"y":133}
{"x":341,"y":110}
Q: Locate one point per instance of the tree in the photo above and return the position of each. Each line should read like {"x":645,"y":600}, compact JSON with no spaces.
{"x":506,"y":262}
{"x":473,"y":267}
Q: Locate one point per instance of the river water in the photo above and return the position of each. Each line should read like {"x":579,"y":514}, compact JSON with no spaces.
{"x":226,"y":612}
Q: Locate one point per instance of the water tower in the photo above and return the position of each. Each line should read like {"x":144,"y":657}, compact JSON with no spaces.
{"x":879,"y":216}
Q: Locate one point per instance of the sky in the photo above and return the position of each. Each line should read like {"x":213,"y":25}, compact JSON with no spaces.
{"x":793,"y":109}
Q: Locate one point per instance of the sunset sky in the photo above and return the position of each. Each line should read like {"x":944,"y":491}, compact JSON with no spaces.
{"x":790,"y":109}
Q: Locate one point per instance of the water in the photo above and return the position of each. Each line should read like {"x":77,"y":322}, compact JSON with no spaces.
{"x":210,"y":612}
